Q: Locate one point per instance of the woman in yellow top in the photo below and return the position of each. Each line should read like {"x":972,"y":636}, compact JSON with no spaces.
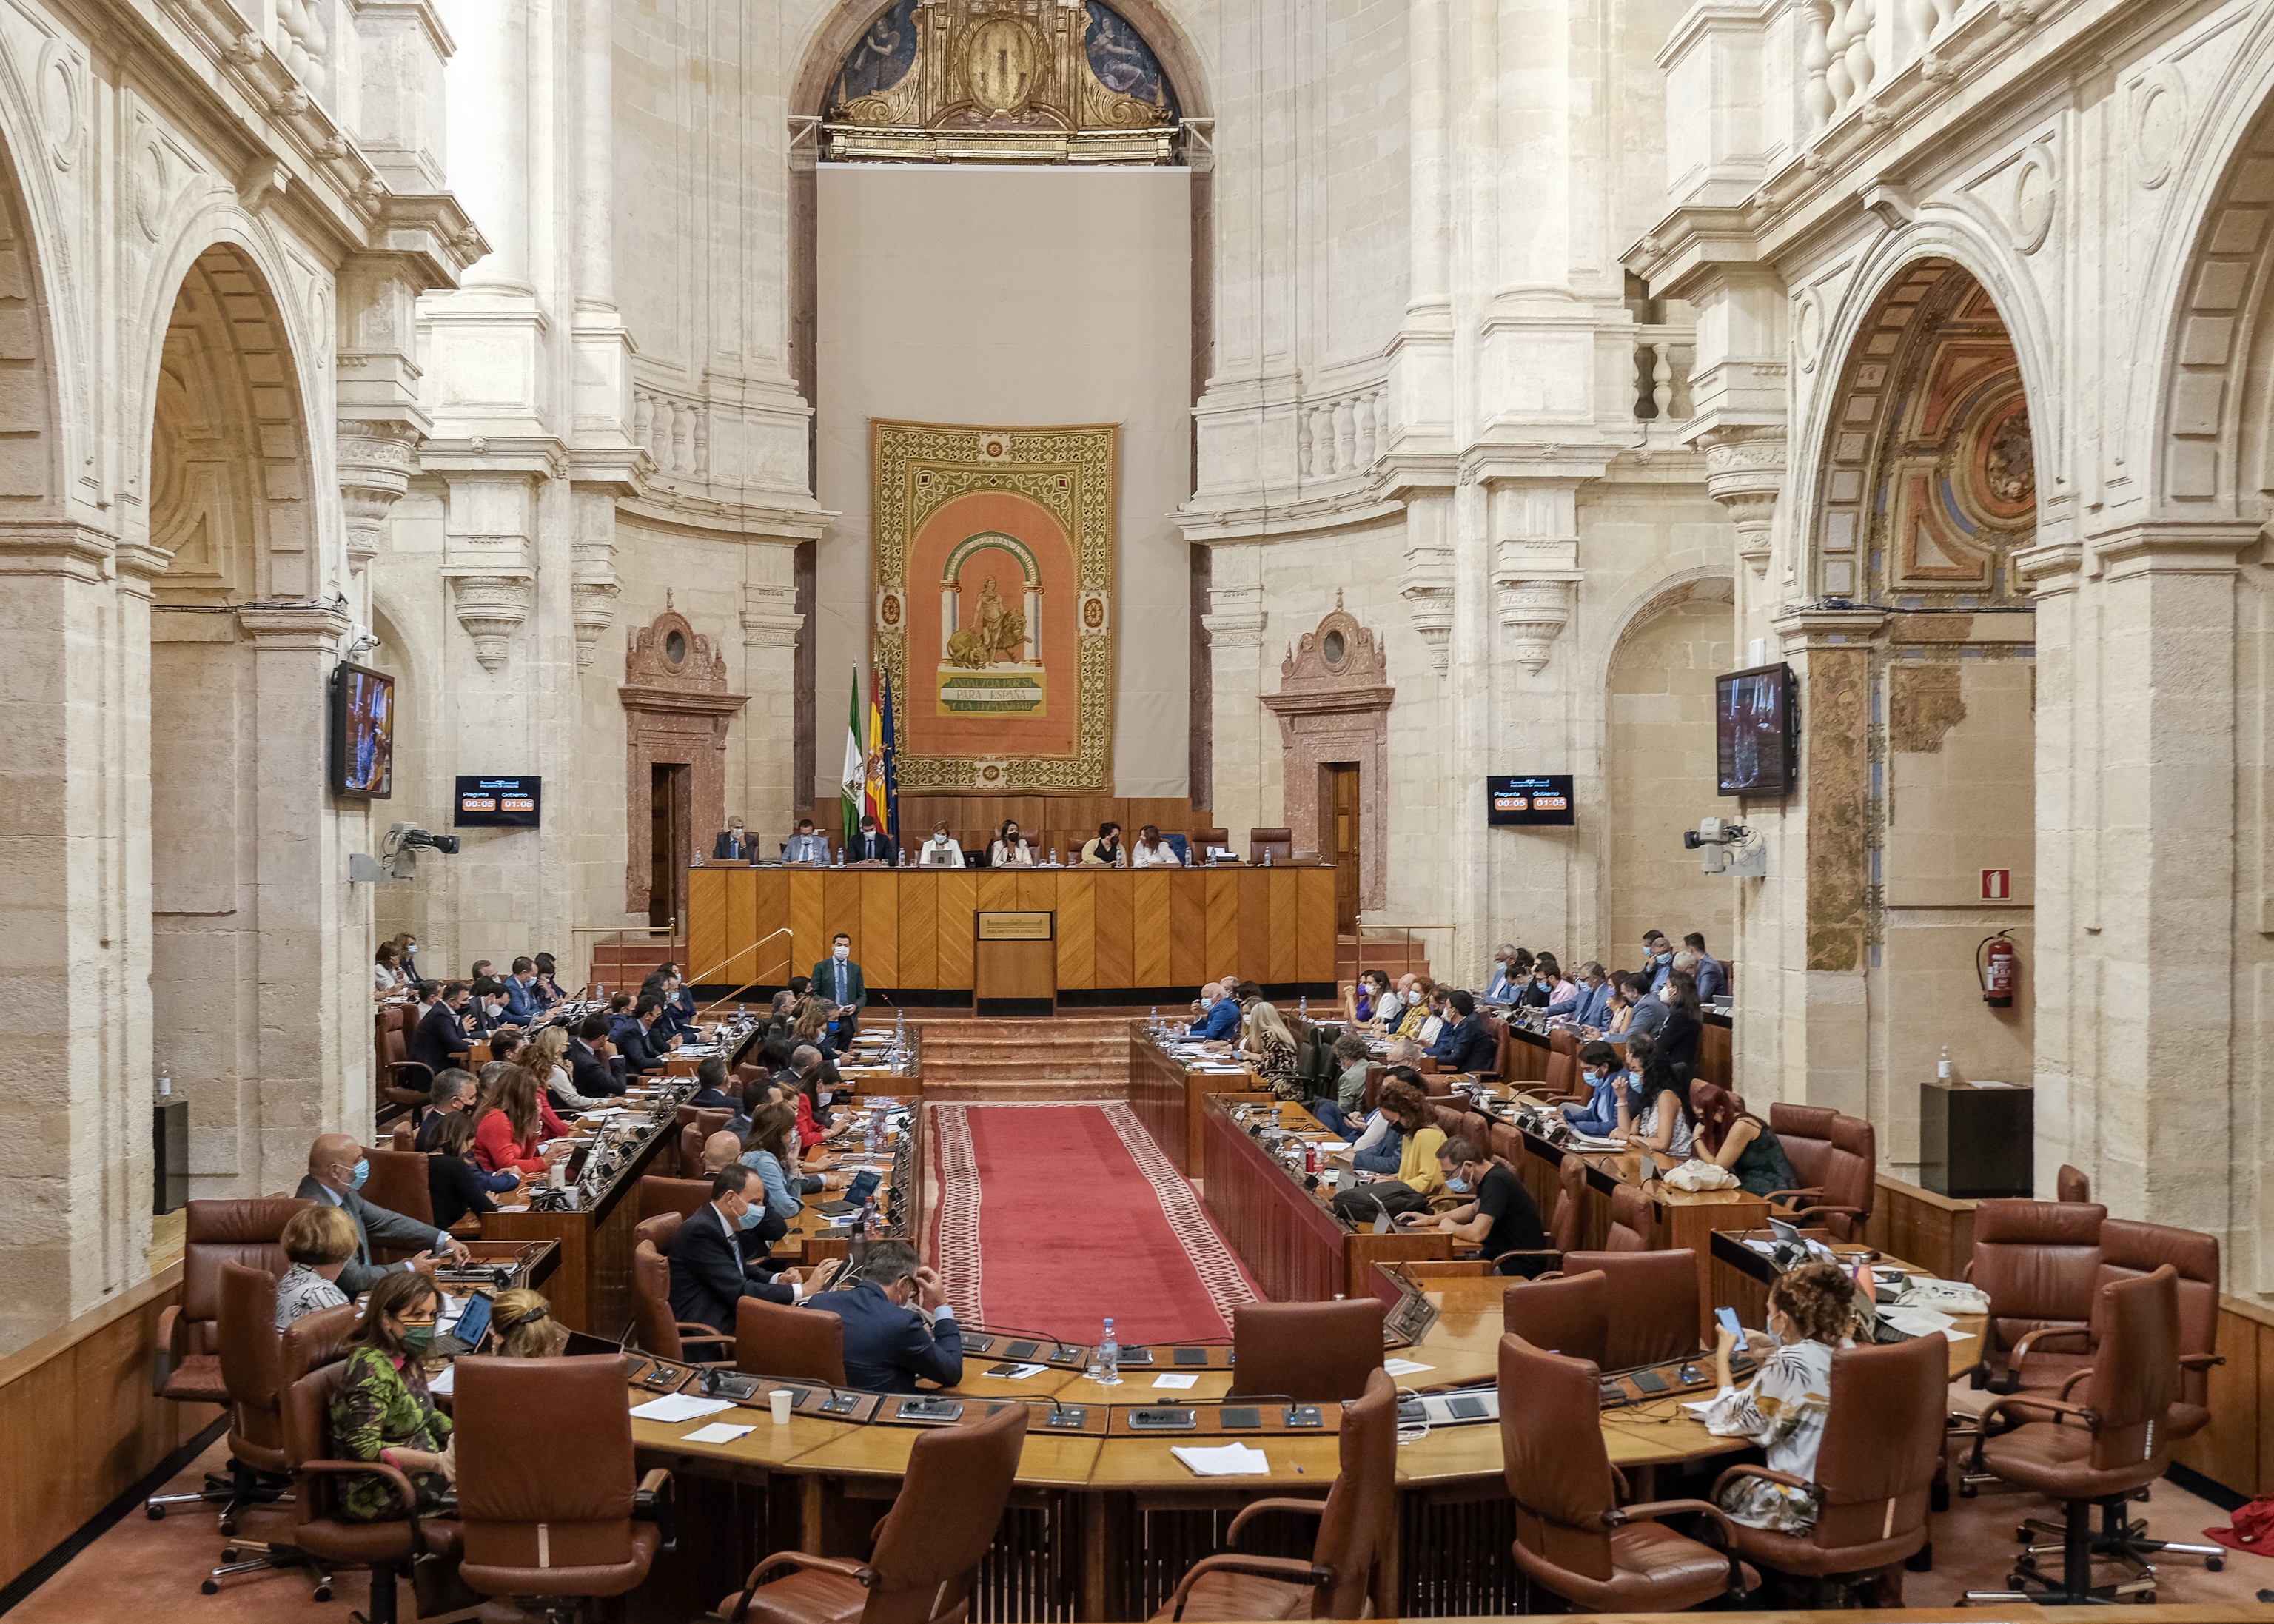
{"x":1408,"y":1114}
{"x":1416,"y":1012}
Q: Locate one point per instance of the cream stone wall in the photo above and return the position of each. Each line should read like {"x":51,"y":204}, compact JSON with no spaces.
{"x":1015,"y":297}
{"x":1660,"y":780}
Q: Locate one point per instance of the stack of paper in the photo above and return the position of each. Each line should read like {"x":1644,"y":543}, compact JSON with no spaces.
{"x":1226,"y":1461}
{"x":680,"y":1407}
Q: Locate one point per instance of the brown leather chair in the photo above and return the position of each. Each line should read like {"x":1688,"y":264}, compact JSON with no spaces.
{"x":660,"y":1334}
{"x":402,"y":1135}
{"x":1654,"y":1304}
{"x":1569,"y":1314}
{"x":697,"y":1125}
{"x":2099,"y":1452}
{"x":1876,"y":1466}
{"x":1572,"y":1535}
{"x":927,"y":1549}
{"x":1203,"y":838}
{"x":792,"y":1344}
{"x":398,"y":1182}
{"x":1564,"y":1081}
{"x":551,"y":1510}
{"x":1837,"y":1160}
{"x":254,"y":1369}
{"x":2038,"y":1262}
{"x":1279,"y":842}
{"x":1633,"y":1222}
{"x":187,"y":1366}
{"x":1314,"y":1353}
{"x":387,"y":1547}
{"x":1358,"y":1529}
{"x":683,"y":1196}
{"x":2071,"y":1184}
{"x":403,"y":1083}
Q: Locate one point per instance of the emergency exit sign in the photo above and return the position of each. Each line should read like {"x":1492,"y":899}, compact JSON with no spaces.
{"x":1997,"y":884}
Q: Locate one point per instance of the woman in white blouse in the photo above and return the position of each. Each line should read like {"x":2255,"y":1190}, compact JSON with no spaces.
{"x":1010,"y":849}
{"x":1812,"y":1316}
{"x":941,"y":850}
{"x":1154,"y":852}
{"x":385,"y":979}
{"x":1665,"y":1121}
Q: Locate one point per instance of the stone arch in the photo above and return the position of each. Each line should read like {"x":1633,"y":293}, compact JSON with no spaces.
{"x":231,"y":477}
{"x":2200,"y":323}
{"x":31,"y":474}
{"x":827,"y":45}
{"x":1922,"y":479}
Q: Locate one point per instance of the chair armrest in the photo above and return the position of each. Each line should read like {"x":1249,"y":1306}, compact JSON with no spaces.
{"x":694,"y":1331}
{"x":406,"y":1497}
{"x":654,"y":1501}
{"x":1654,"y":1510}
{"x":1765,"y":1475}
{"x":2200,"y":1361}
{"x":2069,"y":1387}
{"x":859,"y":1573}
{"x":2026,"y":1400}
{"x":2045,"y":1333}
{"x":1821,"y":1207}
{"x":168,"y":1353}
{"x":1794,"y":1195}
{"x":1287,"y":1569}
{"x":1305,"y":1507}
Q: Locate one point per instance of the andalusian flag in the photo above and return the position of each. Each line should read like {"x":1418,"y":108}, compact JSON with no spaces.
{"x":872,"y":766}
{"x":855,"y":778}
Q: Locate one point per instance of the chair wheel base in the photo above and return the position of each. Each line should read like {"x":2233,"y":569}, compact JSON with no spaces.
{"x":2214,"y":1564}
{"x":322,"y":1592}
{"x":211,"y":1587}
{"x":156,"y":1513}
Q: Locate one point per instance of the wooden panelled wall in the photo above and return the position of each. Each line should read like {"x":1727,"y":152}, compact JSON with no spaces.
{"x":1134,"y":927}
{"x":2236,"y":1450}
{"x":78,"y":1424}
{"x":1042,"y":819}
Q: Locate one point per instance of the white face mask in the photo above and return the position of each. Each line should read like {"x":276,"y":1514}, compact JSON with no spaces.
{"x":842,"y":952}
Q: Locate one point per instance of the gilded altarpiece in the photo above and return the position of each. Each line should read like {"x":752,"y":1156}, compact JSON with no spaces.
{"x":995,"y":559}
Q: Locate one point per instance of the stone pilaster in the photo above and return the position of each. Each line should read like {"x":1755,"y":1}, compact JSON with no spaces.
{"x":1427,"y":584}
{"x":1236,"y":621}
{"x":772,"y":627}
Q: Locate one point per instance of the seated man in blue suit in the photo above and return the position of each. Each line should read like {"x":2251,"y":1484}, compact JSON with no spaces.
{"x":643,"y":1043}
{"x":805,"y":846}
{"x":1591,"y":1005}
{"x":1219,"y":1013}
{"x":1464,"y":1045}
{"x":897,"y":1324}
{"x":522,"y":1007}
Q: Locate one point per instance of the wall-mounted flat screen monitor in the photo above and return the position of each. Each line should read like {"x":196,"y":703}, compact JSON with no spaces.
{"x":362,"y":733}
{"x":1526,"y":802}
{"x":486,"y":802}
{"x":1753,"y":717}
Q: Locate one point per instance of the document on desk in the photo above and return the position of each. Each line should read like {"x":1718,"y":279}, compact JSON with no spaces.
{"x":446,"y":1383}
{"x":1595,"y":1141}
{"x":1175,"y":1381}
{"x":680,"y":1407}
{"x":1404,"y":1367}
{"x":717,"y":1433}
{"x":1228,"y":1460}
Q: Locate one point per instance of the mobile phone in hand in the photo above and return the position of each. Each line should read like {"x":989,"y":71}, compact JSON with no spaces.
{"x":1729,"y":1318}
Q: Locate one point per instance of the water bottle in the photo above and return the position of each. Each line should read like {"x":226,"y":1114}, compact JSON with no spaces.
{"x":1303,"y":1006}
{"x":1267,"y":857}
{"x":1106,"y":1369}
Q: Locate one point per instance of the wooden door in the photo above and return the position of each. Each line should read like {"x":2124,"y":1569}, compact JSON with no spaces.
{"x":670,"y":841}
{"x":1342,"y":821}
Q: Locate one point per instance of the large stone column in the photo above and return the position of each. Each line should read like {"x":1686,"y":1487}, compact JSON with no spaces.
{"x":74,"y":889}
{"x":771,"y":628}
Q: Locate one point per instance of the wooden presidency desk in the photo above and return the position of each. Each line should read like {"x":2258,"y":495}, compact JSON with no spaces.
{"x":1141,"y":931}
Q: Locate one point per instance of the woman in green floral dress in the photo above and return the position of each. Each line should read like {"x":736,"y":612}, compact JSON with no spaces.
{"x":381,"y":1411}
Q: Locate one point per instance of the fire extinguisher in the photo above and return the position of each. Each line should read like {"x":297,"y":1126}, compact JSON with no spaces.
{"x":1997,"y":965}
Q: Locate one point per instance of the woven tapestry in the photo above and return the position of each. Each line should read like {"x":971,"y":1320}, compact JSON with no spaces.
{"x":994,"y":604}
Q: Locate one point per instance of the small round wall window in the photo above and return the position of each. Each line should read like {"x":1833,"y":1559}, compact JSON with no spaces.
{"x":674,"y":648}
{"x":1335,"y":648}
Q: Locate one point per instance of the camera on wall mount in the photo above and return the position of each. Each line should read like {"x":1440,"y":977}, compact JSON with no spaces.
{"x":398,"y":853}
{"x":1727,"y":847}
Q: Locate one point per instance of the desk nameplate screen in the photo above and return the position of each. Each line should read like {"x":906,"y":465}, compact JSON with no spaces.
{"x":1019,"y":927}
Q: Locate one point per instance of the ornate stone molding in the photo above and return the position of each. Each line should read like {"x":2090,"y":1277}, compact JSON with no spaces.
{"x":1535,"y":565}
{"x":492,"y":608}
{"x":770,"y":616}
{"x":1744,"y":472}
{"x":1236,"y":617}
{"x":1333,"y":705}
{"x":1427,"y":585}
{"x":375,"y":457}
{"x":592,"y":585}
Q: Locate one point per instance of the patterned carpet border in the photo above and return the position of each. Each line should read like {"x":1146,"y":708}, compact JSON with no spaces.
{"x":955,"y":1231}
{"x":1220,"y":1273}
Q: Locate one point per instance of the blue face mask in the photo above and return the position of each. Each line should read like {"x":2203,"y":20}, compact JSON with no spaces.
{"x":751,"y":1217}
{"x":1458,"y":1186}
{"x":1664,"y":959}
{"x":362,"y":1172}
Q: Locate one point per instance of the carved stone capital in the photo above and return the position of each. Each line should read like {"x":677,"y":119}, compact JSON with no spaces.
{"x":592,"y":611}
{"x":1236,"y":617}
{"x":770,"y":616}
{"x":375,"y":457}
{"x":1744,"y":472}
{"x":1533,"y":611}
{"x":492,"y":608}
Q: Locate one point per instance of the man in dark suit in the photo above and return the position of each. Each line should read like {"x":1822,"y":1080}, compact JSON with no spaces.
{"x":734,"y":845}
{"x":1465,"y":1045}
{"x":454,"y":1092}
{"x":643,"y":1040}
{"x":592,"y":1073}
{"x":441,"y":1041}
{"x":871,"y":845}
{"x":711,"y":1091}
{"x":708,"y":1276}
{"x":838,"y":980}
{"x":897,"y":1324}
{"x":337,"y":1170}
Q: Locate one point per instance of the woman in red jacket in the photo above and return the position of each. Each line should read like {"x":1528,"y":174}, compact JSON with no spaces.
{"x":512,"y":1125}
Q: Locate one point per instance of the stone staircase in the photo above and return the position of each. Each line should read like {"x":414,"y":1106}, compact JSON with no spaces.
{"x":1394,"y":955}
{"x":1069,"y":1058}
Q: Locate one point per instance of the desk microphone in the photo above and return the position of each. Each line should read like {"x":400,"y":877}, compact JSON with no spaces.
{"x":1058,"y":1348}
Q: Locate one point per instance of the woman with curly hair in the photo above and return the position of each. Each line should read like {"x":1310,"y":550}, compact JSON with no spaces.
{"x":1811,"y":1315}
{"x":381,"y":1412}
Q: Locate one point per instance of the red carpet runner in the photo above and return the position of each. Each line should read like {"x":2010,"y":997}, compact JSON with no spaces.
{"x":1050,"y":1217}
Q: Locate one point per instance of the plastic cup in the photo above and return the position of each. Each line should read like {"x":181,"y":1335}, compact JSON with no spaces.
{"x":780,"y":1399}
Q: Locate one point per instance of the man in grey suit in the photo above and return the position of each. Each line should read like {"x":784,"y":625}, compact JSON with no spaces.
{"x":336,"y":1169}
